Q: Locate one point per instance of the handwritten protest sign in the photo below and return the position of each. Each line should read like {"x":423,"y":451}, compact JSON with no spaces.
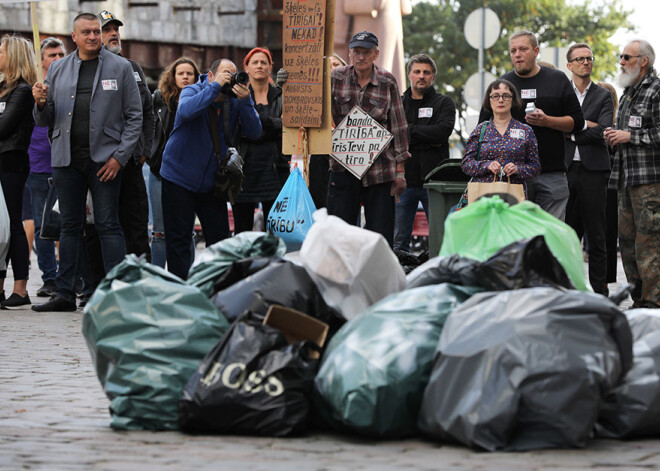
{"x":303,"y":33}
{"x":358,"y":141}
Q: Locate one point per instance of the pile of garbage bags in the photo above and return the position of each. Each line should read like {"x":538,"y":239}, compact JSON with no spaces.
{"x":496,"y":344}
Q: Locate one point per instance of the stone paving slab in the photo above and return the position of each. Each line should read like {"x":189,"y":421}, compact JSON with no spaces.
{"x":54,"y":416}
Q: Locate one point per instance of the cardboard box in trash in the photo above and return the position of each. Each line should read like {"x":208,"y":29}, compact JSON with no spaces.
{"x":297,"y":326}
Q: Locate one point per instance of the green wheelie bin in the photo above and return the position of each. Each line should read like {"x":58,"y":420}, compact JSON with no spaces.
{"x":445,"y":184}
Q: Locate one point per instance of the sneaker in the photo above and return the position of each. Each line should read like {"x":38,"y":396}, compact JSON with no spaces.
{"x":55,"y":303}
{"x":47,"y":289}
{"x":15,"y":300}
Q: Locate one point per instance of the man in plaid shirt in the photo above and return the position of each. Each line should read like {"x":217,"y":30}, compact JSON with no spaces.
{"x":636,"y":172}
{"x":375,"y":91}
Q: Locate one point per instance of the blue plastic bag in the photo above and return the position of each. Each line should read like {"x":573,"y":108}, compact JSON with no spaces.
{"x":291,"y":216}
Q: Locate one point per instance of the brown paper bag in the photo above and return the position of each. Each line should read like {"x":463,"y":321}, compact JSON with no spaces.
{"x":478,"y":189}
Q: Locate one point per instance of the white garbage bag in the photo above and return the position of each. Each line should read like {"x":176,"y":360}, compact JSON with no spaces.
{"x":352,"y":267}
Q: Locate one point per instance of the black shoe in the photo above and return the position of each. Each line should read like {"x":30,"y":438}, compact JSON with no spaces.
{"x":15,"y":300}
{"x":84,"y":299}
{"x":55,"y":303}
{"x":47,"y":289}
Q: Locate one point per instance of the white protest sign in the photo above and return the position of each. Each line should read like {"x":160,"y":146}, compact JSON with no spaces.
{"x":358,"y":141}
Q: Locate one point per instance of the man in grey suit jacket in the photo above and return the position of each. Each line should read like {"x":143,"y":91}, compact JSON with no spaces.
{"x":91,"y":102}
{"x":588,"y":163}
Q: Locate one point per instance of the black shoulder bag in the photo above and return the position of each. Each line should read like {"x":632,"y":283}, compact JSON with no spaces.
{"x":227,"y":184}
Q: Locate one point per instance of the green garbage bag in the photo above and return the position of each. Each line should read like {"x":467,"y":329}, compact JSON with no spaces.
{"x":373,"y":374}
{"x":485,"y":226}
{"x":217,"y":258}
{"x":147,"y":333}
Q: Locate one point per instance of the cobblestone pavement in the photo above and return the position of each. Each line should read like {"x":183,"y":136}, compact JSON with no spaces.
{"x":53,"y":416}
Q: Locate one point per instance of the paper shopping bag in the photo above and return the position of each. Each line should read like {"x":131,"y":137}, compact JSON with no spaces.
{"x":478,"y":189}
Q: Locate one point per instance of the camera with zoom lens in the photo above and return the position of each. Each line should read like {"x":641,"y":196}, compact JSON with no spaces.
{"x":239,"y":77}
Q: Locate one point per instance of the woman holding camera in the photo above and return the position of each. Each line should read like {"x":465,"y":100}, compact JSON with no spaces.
{"x":265,"y":168}
{"x":508,"y":146}
{"x":17,"y":75}
{"x":175,"y":77}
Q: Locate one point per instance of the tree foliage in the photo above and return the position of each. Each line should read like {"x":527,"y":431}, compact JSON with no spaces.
{"x":436,"y":28}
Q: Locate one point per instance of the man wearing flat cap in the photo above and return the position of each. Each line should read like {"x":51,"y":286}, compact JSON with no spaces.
{"x":374,"y":90}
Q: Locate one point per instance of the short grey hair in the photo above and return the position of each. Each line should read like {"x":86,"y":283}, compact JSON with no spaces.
{"x":645,"y":49}
{"x":50,"y":43}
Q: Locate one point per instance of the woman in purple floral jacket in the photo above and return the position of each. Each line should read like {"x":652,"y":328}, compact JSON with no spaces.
{"x":508,"y":147}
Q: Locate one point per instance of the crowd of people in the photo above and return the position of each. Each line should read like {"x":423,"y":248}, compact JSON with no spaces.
{"x":92,"y":124}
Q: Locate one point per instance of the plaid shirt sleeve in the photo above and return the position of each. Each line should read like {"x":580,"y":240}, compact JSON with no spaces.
{"x":382,"y":101}
{"x":639,"y":159}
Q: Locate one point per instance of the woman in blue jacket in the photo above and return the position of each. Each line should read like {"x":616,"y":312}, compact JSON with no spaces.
{"x":190,"y":163}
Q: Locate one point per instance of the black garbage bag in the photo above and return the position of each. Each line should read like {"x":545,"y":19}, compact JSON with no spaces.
{"x":241,"y":269}
{"x":525,"y":263}
{"x":525,"y":369}
{"x":283,"y":283}
{"x":252,"y":382}
{"x":213,"y":262}
{"x":632,"y":408}
{"x":409,"y":261}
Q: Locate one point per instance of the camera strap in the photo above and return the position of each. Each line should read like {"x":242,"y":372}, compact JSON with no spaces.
{"x":215,"y":135}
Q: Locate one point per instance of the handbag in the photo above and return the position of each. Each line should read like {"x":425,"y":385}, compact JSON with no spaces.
{"x":478,"y":189}
{"x":229,"y":176}
{"x":51,"y":221}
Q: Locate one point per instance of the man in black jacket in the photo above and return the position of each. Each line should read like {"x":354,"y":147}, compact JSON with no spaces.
{"x":431,"y":117}
{"x":588,"y":162}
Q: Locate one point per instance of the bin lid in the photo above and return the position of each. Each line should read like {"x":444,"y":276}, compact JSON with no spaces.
{"x":448,"y":170}
{"x":446,"y":187}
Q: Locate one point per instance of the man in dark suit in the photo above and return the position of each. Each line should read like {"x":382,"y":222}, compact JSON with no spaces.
{"x":588,"y":163}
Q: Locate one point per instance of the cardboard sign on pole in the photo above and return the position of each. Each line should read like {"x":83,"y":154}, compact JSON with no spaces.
{"x":303,"y":39}
{"x":319,"y":139}
{"x":358,"y":141}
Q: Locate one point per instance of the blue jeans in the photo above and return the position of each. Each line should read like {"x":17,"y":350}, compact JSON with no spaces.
{"x":179,"y":208}
{"x":72,"y":183}
{"x":158,"y":254}
{"x":37,"y":184}
{"x":404,"y":215}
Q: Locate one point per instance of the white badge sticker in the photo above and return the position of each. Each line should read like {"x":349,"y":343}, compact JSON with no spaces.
{"x":517,"y":134}
{"x":425,"y":113}
{"x":109,"y":84}
{"x":2,"y":107}
{"x":635,"y":122}
{"x":137,"y":76}
{"x":528,"y":94}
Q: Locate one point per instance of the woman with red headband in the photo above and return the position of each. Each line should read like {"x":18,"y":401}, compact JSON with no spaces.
{"x":265,"y":167}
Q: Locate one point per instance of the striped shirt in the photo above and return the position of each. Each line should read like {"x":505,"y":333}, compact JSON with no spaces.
{"x":639,"y":113}
{"x":381,"y":100}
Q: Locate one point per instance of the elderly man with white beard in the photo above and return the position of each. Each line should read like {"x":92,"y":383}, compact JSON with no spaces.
{"x":636,"y":172}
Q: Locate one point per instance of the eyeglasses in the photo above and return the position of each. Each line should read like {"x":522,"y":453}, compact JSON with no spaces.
{"x":580,"y":60}
{"x":505,"y":97}
{"x":626,"y":57}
